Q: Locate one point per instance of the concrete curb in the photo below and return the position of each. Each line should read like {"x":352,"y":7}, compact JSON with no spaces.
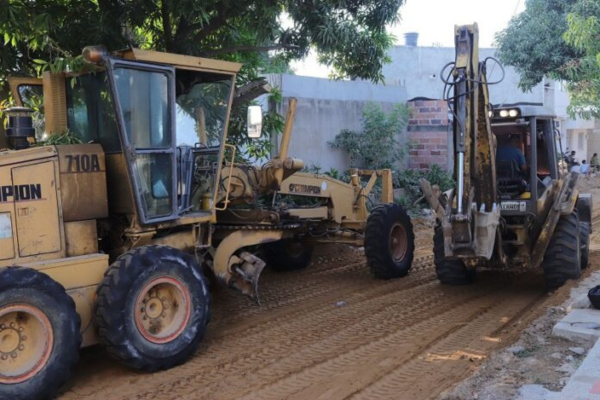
{"x":585,"y":382}
{"x":579,"y":323}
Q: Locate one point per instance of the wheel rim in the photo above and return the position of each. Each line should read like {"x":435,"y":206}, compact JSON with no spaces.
{"x":163,"y":309}
{"x":294,"y":248}
{"x":26,"y":341}
{"x":398,"y":243}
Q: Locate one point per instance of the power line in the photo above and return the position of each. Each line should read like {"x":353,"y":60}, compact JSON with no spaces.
{"x":516,"y":8}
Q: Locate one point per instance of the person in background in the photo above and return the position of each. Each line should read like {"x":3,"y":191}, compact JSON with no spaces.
{"x":584,"y":169}
{"x":573,"y":158}
{"x":594,"y":163}
{"x":576,"y":168}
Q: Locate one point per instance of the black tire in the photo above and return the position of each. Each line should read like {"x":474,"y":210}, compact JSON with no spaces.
{"x":389,"y":242}
{"x":584,"y":242}
{"x":36,"y":300}
{"x":136,"y":286}
{"x":449,"y":271}
{"x":287,"y":255}
{"x":562,"y":260}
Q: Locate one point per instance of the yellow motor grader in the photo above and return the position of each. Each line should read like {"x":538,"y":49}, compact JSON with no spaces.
{"x":109,"y":241}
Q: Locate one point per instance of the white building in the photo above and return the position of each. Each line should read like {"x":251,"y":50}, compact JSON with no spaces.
{"x":418,"y":68}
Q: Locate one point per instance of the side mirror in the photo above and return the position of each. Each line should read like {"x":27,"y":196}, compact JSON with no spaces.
{"x":254,"y":121}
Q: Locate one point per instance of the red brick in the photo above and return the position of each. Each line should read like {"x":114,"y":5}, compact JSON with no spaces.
{"x":441,"y":147}
{"x":436,"y":122}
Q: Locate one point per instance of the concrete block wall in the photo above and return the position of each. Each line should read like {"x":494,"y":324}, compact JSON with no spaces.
{"x":325,"y":108}
{"x":428,"y":134}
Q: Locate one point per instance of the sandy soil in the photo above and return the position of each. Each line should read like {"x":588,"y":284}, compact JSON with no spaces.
{"x":334,"y":332}
{"x":537,"y":357}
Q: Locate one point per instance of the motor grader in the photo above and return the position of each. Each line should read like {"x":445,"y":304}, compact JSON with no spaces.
{"x":109,"y":241}
{"x":514,"y":205}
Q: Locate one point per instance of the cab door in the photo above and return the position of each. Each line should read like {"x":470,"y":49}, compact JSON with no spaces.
{"x":144,"y":97}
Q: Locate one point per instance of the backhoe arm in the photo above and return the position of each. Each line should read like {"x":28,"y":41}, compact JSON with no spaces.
{"x":470,"y":216}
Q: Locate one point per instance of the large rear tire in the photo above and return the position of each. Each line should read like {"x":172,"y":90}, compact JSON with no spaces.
{"x":152,"y":308}
{"x":449,"y":271}
{"x":584,"y":242}
{"x":39,"y":335}
{"x":562,"y":260}
{"x":389,"y":242}
{"x":287,"y":255}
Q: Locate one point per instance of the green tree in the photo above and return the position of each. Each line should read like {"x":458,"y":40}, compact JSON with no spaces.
{"x":583,"y":73}
{"x":348,"y":35}
{"x":377,"y":145}
{"x":557,"y":39}
{"x":533,"y":41}
{"x":264,"y":35}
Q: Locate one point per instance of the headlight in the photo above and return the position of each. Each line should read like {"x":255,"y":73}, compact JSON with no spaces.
{"x":513,"y":113}
{"x":504,"y":113}
{"x":491,"y":114}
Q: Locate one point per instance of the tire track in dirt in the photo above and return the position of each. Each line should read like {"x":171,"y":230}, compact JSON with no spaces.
{"x":322,"y":317}
{"x":449,"y":360}
{"x":298,"y":344}
{"x":335,"y":377}
{"x":329,"y":343}
{"x":319,"y":288}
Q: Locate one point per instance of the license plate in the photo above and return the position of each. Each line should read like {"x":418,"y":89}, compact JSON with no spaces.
{"x":514,"y":206}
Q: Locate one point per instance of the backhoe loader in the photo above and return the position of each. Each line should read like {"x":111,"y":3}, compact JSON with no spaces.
{"x":514,"y":204}
{"x":109,"y":241}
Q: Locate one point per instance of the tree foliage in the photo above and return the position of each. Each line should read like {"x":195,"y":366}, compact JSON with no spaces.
{"x":349,"y":35}
{"x":557,"y":39}
{"x":583,"y":73}
{"x":264,"y":35}
{"x":377,"y":146}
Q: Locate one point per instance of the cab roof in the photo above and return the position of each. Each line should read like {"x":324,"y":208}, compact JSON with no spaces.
{"x":180,"y":61}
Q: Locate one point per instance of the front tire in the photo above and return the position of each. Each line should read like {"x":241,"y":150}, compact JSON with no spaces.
{"x":449,"y":271}
{"x":39,"y":335}
{"x":153,"y":308}
{"x":562,"y":260}
{"x":287,"y":255}
{"x":389,"y":242}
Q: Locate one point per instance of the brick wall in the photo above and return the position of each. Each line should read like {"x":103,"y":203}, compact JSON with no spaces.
{"x":428,"y":134}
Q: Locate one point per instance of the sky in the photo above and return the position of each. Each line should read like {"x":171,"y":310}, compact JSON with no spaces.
{"x":434,"y":20}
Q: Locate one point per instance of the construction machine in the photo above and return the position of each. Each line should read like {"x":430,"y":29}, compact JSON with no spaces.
{"x":109,"y":241}
{"x":514,"y":204}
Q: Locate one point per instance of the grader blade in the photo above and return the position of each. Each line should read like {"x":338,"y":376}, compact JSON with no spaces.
{"x":247,"y":268}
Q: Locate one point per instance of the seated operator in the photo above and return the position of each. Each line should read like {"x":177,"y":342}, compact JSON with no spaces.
{"x":512,"y":153}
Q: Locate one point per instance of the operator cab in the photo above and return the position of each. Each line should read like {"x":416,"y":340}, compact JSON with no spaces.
{"x":161,"y":120}
{"x":526,"y":155}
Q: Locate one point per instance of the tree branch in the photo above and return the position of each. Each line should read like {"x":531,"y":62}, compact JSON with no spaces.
{"x":249,"y":48}
{"x":214,"y":24}
{"x":167,"y":28}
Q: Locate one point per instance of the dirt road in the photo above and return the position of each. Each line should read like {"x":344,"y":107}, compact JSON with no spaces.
{"x":334,"y":332}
